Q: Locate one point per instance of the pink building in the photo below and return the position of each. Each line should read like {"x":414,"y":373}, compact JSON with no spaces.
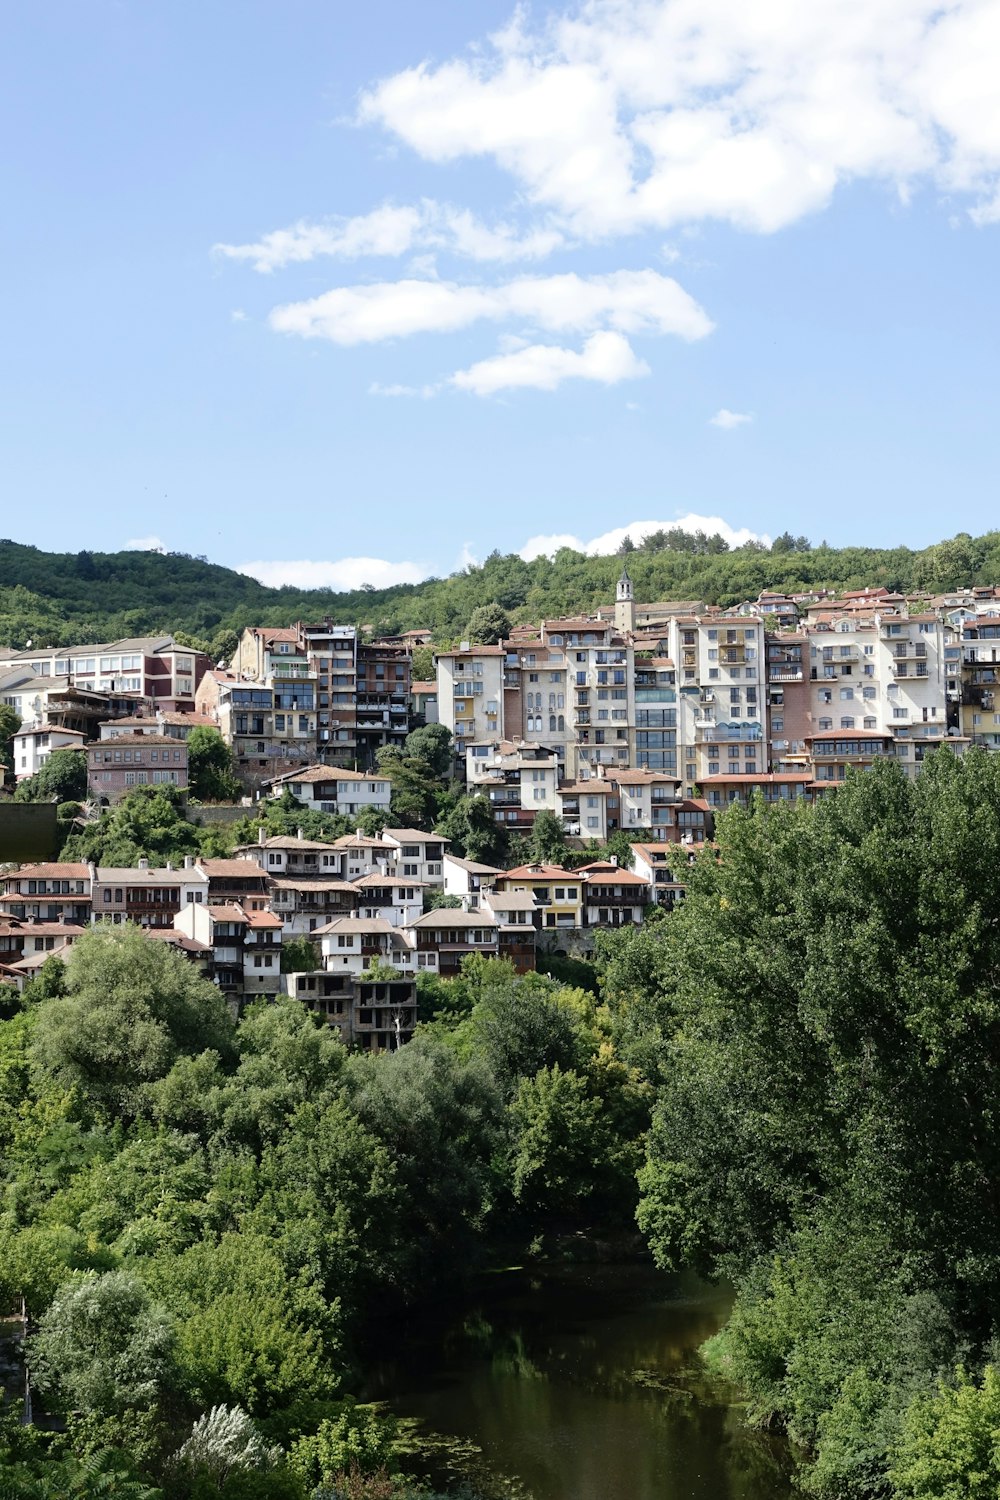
{"x":116,"y":766}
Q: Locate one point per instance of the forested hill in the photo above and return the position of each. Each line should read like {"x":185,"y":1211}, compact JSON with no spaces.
{"x":62,"y":598}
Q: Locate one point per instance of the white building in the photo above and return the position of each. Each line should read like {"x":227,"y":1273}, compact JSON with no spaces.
{"x":32,"y":747}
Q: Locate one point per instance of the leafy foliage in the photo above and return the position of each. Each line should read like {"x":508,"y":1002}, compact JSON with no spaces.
{"x":61,"y":778}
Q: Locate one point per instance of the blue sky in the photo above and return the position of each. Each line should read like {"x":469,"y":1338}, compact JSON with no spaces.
{"x":359,"y":293}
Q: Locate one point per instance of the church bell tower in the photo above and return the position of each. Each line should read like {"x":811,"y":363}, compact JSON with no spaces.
{"x":624,"y":604}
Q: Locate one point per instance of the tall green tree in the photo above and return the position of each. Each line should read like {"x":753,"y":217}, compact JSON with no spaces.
{"x":61,"y":778}
{"x":211,"y":775}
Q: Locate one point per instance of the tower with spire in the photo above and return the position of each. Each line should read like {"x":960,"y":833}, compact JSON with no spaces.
{"x":624,"y":603}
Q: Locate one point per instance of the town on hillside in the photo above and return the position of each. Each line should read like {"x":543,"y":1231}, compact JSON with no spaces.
{"x":633,"y":726}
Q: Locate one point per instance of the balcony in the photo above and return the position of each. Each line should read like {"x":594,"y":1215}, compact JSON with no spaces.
{"x":784,"y":673}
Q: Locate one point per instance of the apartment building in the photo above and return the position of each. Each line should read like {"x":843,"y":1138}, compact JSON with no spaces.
{"x":721,"y":703}
{"x":416,"y":855}
{"x":519,"y":780}
{"x":151,"y":667}
{"x":332,"y":653}
{"x":470,"y":694}
{"x":557,"y":893}
{"x":383,"y":698}
{"x":468,"y":879}
{"x":978,"y":696}
{"x":613,"y":897}
{"x":663,"y":870}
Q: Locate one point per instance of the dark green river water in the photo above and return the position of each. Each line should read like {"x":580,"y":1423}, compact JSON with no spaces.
{"x":581,"y":1384}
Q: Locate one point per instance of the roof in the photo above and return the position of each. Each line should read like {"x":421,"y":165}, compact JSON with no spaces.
{"x":17,"y":928}
{"x":264,"y":919}
{"x":229,"y":912}
{"x":177,"y":939}
{"x":310,"y":883}
{"x":471,"y":867}
{"x":275,"y":632}
{"x":375,"y":879}
{"x":539,"y":872}
{"x":23,"y":734}
{"x":422,"y":686}
{"x":510,"y":900}
{"x":602,"y":873}
{"x":287,"y":841}
{"x":448,"y":916}
{"x":325,"y":773}
{"x":355,"y":926}
{"x":413,"y":835}
{"x":231,"y":867}
{"x":123,"y":874}
{"x":473,"y":651}
{"x":53,"y":872}
{"x":124,"y":740}
{"x":848,"y":734}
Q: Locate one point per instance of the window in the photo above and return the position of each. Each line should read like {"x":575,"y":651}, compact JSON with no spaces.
{"x":777,"y":725}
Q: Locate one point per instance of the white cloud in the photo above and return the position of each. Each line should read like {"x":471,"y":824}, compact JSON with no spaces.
{"x":629,"y":301}
{"x":145,"y":544}
{"x":628,"y":114}
{"x":606,"y":357}
{"x":726,"y":418}
{"x":238,"y":315}
{"x":343,"y":573}
{"x":421,"y":392}
{"x":393,"y":230}
{"x":610,"y":541}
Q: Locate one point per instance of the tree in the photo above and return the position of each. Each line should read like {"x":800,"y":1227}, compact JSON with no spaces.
{"x":132,"y":1007}
{"x":10,"y":723}
{"x":299,"y":956}
{"x":547,"y":840}
{"x":103,"y":1346}
{"x":431,"y":744}
{"x":950,"y":1445}
{"x":473,"y":832}
{"x":488,"y":625}
{"x":148,"y":823}
{"x":211,"y":777}
{"x":222,"y":1442}
{"x":61,"y":778}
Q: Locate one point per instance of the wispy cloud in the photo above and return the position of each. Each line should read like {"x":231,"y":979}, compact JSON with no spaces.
{"x":627,"y":301}
{"x":726,"y":418}
{"x":393,"y":230}
{"x":145,"y":544}
{"x":606,"y":357}
{"x":419,"y":392}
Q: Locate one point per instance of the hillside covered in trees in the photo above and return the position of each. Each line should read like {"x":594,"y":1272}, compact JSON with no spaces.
{"x":69,"y":598}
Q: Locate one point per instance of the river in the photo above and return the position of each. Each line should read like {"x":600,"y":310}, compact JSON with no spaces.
{"x":581,"y":1383}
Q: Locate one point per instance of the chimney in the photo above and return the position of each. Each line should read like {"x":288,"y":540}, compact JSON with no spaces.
{"x":613,"y":860}
{"x":189,"y":861}
{"x":300,"y":833}
{"x":170,"y":864}
{"x":144,"y":864}
{"x":262,"y":834}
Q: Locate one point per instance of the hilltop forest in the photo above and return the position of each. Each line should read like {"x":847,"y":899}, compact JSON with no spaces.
{"x":64,"y":598}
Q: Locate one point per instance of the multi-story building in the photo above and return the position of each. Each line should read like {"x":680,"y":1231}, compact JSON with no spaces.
{"x":148,"y":896}
{"x":332,"y":653}
{"x":520,"y":780}
{"x":442,"y":939}
{"x":416,"y":855}
{"x":239,"y":882}
{"x":613,"y":897}
{"x":245,"y":946}
{"x":557,"y":893}
{"x":722,"y":710}
{"x":663,"y":870}
{"x":334,"y":789}
{"x":470,"y":693}
{"x":116,"y":766}
{"x":32,"y":747}
{"x":151,"y":667}
{"x":373,"y":1014}
{"x":980,"y":680}
{"x":468,"y":880}
{"x":54,"y":892}
{"x":383,"y":698}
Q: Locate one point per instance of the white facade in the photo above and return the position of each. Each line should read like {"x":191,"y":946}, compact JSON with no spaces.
{"x":470,"y":693}
{"x":32,"y":747}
